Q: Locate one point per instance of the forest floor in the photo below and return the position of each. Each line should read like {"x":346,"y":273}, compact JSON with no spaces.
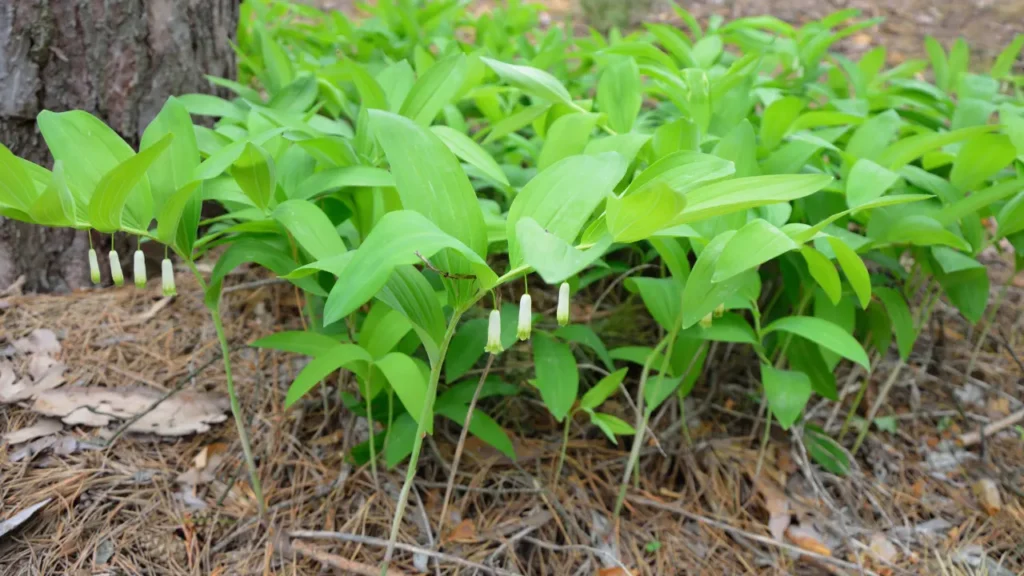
{"x":707,"y":500}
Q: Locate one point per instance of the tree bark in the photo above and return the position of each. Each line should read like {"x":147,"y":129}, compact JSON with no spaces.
{"x":117,"y":59}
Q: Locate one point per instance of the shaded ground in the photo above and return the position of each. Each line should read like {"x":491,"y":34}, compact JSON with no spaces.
{"x":906,"y":507}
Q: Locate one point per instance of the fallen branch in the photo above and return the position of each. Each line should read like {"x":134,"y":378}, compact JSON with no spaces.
{"x":972,"y":438}
{"x":343,"y":564}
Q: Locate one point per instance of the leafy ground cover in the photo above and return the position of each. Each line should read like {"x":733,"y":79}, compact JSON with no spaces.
{"x":641,"y":273}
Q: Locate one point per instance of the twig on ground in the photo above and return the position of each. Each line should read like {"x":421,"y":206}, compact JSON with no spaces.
{"x":568,"y":547}
{"x":344,"y":564}
{"x":972,"y":438}
{"x":382,"y":543}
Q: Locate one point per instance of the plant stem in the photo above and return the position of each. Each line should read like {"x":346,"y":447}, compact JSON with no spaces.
{"x":373,"y":432}
{"x":421,"y":430}
{"x":561,"y":453}
{"x":853,"y":409}
{"x":989,"y":321}
{"x":461,"y":445}
{"x":236,"y":408}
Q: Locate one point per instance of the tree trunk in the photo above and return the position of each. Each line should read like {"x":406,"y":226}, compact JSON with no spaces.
{"x":117,"y":59}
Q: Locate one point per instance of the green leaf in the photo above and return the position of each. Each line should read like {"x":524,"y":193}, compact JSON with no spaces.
{"x":348,"y":356}
{"x":826,"y":451}
{"x":310,"y":227}
{"x":602,"y":390}
{"x":515,"y":122}
{"x":922,"y":230}
{"x":430,"y":181}
{"x":467,"y":346}
{"x":209,"y":105}
{"x":825,"y":334}
{"x":400,"y":238}
{"x":400,"y":439}
{"x":567,"y":136}
{"x":902,"y":321}
{"x":619,"y":93}
{"x":753,"y":245}
{"x":611,"y":426}
{"x":583,"y":334}
{"x":940,"y":64}
{"x":824,"y":273}
{"x":872,"y":137}
{"x":382,"y":330}
{"x":777,"y":118}
{"x":265,"y":254}
{"x":173,"y":170}
{"x":805,"y":356}
{"x":558,"y":379}
{"x":278,"y":71}
{"x":435,"y":89}
{"x":981,"y":158}
{"x":532,"y":81}
{"x":682,"y":171}
{"x":1003,"y":65}
{"x":879,"y":327}
{"x":344,"y":177}
{"x":660,"y":387}
{"x":905,"y":151}
{"x":410,"y":293}
{"x":867,"y":181}
{"x":700,"y":296}
{"x":636,"y":355}
{"x":371,"y":95}
{"x":727,"y":328}
{"x":740,"y":194}
{"x":408,"y":382}
{"x":637,"y":216}
{"x":256,"y":175}
{"x":299,"y":342}
{"x":16,"y":188}
{"x":553,"y":258}
{"x":662,"y":297}
{"x":1011,"y":216}
{"x":177,"y":219}
{"x":787,"y":392}
{"x":978,"y":201}
{"x":396,"y":81}
{"x":482,"y":426}
{"x":108,"y":202}
{"x":56,"y":205}
{"x":562,"y":198}
{"x":471,"y":153}
{"x":853,"y":267}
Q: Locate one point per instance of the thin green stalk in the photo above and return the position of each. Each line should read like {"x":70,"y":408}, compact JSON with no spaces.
{"x":236,"y":408}
{"x":370,"y":425}
{"x":421,"y":429}
{"x":853,"y":409}
{"x":989,"y":321}
{"x":561,"y":453}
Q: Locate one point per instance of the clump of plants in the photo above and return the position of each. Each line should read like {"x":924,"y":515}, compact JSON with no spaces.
{"x":412,"y":171}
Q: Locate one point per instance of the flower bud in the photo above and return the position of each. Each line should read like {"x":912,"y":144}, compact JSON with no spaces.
{"x":115,"y":269}
{"x":94,"y":267}
{"x":167,"y":276}
{"x":705,"y":322}
{"x":562,"y":312}
{"x":719,"y":310}
{"x":494,"y":333}
{"x":139,"y":269}
{"x":525,"y":317}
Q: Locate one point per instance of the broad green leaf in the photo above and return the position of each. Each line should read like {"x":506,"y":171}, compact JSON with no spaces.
{"x":482,"y":426}
{"x":567,"y":136}
{"x":435,"y":89}
{"x":602,"y":390}
{"x":674,"y":42}
{"x":583,"y":334}
{"x":802,"y":233}
{"x":978,"y":201}
{"x":611,"y":426}
{"x":787,"y":392}
{"x":265,"y":254}
{"x":348,"y":356}
{"x":854,"y":269}
{"x":16,"y":188}
{"x":674,"y":256}
{"x":980,"y":158}
{"x":1011,"y":216}
{"x":400,"y":439}
{"x":371,"y":95}
{"x":310,"y":227}
{"x":871,"y":138}
{"x":558,"y":379}
{"x":824,"y":333}
{"x":662,"y":297}
{"x":619,"y":93}
{"x":430,"y":181}
{"x":515,"y":122}
{"x":109,"y":202}
{"x":637,"y":216}
{"x":343,"y":177}
{"x":382,"y":330}
{"x":682,"y":171}
{"x":902,"y":321}
{"x":753,"y":245}
{"x":209,"y":105}
{"x":740,"y":194}
{"x":644,"y":53}
{"x":777,"y":118}
{"x":940,"y":64}
{"x":700,"y":296}
{"x":660,"y":387}
{"x":823,"y":272}
{"x":1006,"y":59}
{"x":554,"y":259}
{"x":805,"y":356}
{"x":400,"y":238}
{"x":922,"y":230}
{"x":562,"y":198}
{"x":879,"y":327}
{"x":56,"y":205}
{"x":278,"y":71}
{"x":637,"y":355}
{"x":299,"y":342}
{"x":905,"y":151}
{"x":177,"y":221}
{"x":739,"y":146}
{"x":410,"y":293}
{"x":408,"y":383}
{"x":868,"y":181}
{"x":466,"y":348}
{"x":471,"y":153}
{"x":964,"y":280}
{"x":396,"y":82}
{"x":533,"y":81}
{"x":727,"y":328}
{"x":256,"y":174}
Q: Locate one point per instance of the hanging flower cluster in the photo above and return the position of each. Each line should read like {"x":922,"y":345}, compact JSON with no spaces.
{"x":138,"y":271}
{"x":525,"y":326}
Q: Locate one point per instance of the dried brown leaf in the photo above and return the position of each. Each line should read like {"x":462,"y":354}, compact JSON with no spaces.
{"x":464,"y":533}
{"x":987,"y":493}
{"x":186,"y":412}
{"x":809,"y":539}
{"x":44,"y":427}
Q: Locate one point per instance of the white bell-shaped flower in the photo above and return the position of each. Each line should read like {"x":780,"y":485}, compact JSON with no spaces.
{"x":494,"y":333}
{"x":115,"y":269}
{"x":525,"y":317}
{"x":94,"y":267}
{"x":139,"y":269}
{"x":167,"y":277}
{"x":562,"y":312}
